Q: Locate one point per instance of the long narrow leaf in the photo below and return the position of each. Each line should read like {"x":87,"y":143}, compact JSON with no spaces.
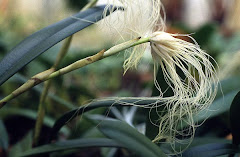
{"x":3,"y":136}
{"x":131,"y":138}
{"x":211,"y":150}
{"x":93,"y":105}
{"x":22,"y":79}
{"x":9,"y":111}
{"x":234,"y":119}
{"x":218,"y":107}
{"x":71,"y":144}
{"x":44,"y":39}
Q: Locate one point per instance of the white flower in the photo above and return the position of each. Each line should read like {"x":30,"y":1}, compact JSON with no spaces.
{"x":139,"y":19}
{"x":192,"y":93}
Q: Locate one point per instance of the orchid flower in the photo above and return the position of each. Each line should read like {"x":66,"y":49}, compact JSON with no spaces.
{"x":193,"y":93}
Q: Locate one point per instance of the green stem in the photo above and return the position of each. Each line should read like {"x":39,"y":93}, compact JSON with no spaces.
{"x":42,"y":106}
{"x":46,"y":75}
{"x":89,"y":5}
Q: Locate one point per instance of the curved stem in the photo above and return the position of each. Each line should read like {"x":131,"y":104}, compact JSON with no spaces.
{"x":47,"y":84}
{"x":49,"y":74}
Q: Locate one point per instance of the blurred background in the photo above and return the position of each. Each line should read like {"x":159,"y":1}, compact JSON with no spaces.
{"x":214,"y":24}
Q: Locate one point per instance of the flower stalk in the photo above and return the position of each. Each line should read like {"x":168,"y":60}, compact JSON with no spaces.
{"x":47,"y":84}
{"x":50,"y":74}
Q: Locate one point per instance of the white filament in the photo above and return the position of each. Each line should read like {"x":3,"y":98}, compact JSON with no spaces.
{"x":140,"y":18}
{"x":192,"y":93}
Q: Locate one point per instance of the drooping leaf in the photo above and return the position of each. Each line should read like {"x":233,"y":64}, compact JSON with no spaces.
{"x":22,"y":146}
{"x":3,"y":136}
{"x":22,"y":79}
{"x":211,"y":150}
{"x":203,"y":34}
{"x":227,"y":90}
{"x":39,"y":42}
{"x":234,"y":119}
{"x":9,"y":111}
{"x":228,"y":85}
{"x":93,"y":105}
{"x":218,"y":107}
{"x":197,"y":141}
{"x":131,"y":138}
{"x":71,"y":144}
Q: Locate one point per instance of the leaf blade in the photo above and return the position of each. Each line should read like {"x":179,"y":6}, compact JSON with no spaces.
{"x":126,"y":135}
{"x":4,"y":136}
{"x":211,"y":150}
{"x":68,"y":116}
{"x":71,"y":144}
{"x":234,"y":119}
{"x":39,"y":42}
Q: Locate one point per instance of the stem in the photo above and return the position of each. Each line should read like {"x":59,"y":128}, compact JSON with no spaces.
{"x":49,"y":74}
{"x":89,"y":5}
{"x":42,"y":106}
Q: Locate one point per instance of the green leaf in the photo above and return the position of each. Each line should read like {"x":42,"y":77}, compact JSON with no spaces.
{"x":39,"y":42}
{"x":228,"y":85}
{"x":215,"y":109}
{"x":197,"y":141}
{"x":8,"y":111}
{"x":71,"y":144}
{"x":203,"y":34}
{"x":22,"y":79}
{"x":228,"y":88}
{"x":67,"y":117}
{"x":23,"y":145}
{"x":234,"y":119}
{"x":131,"y":138}
{"x":211,"y":150}
{"x":218,"y":107}
{"x":3,"y":136}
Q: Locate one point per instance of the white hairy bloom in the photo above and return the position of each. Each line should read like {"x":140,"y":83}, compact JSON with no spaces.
{"x":192,"y":93}
{"x":139,"y":19}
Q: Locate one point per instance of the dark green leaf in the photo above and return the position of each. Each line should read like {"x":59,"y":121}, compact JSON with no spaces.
{"x":22,"y":79}
{"x":131,"y":138}
{"x":71,"y":144}
{"x":22,"y":146}
{"x":8,"y":111}
{"x":64,"y":119}
{"x":3,"y":136}
{"x":197,"y":141}
{"x":211,"y":150}
{"x":234,"y":119}
{"x":228,"y":88}
{"x":228,"y":85}
{"x":42,"y":40}
{"x":202,"y":35}
{"x":219,"y":106}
